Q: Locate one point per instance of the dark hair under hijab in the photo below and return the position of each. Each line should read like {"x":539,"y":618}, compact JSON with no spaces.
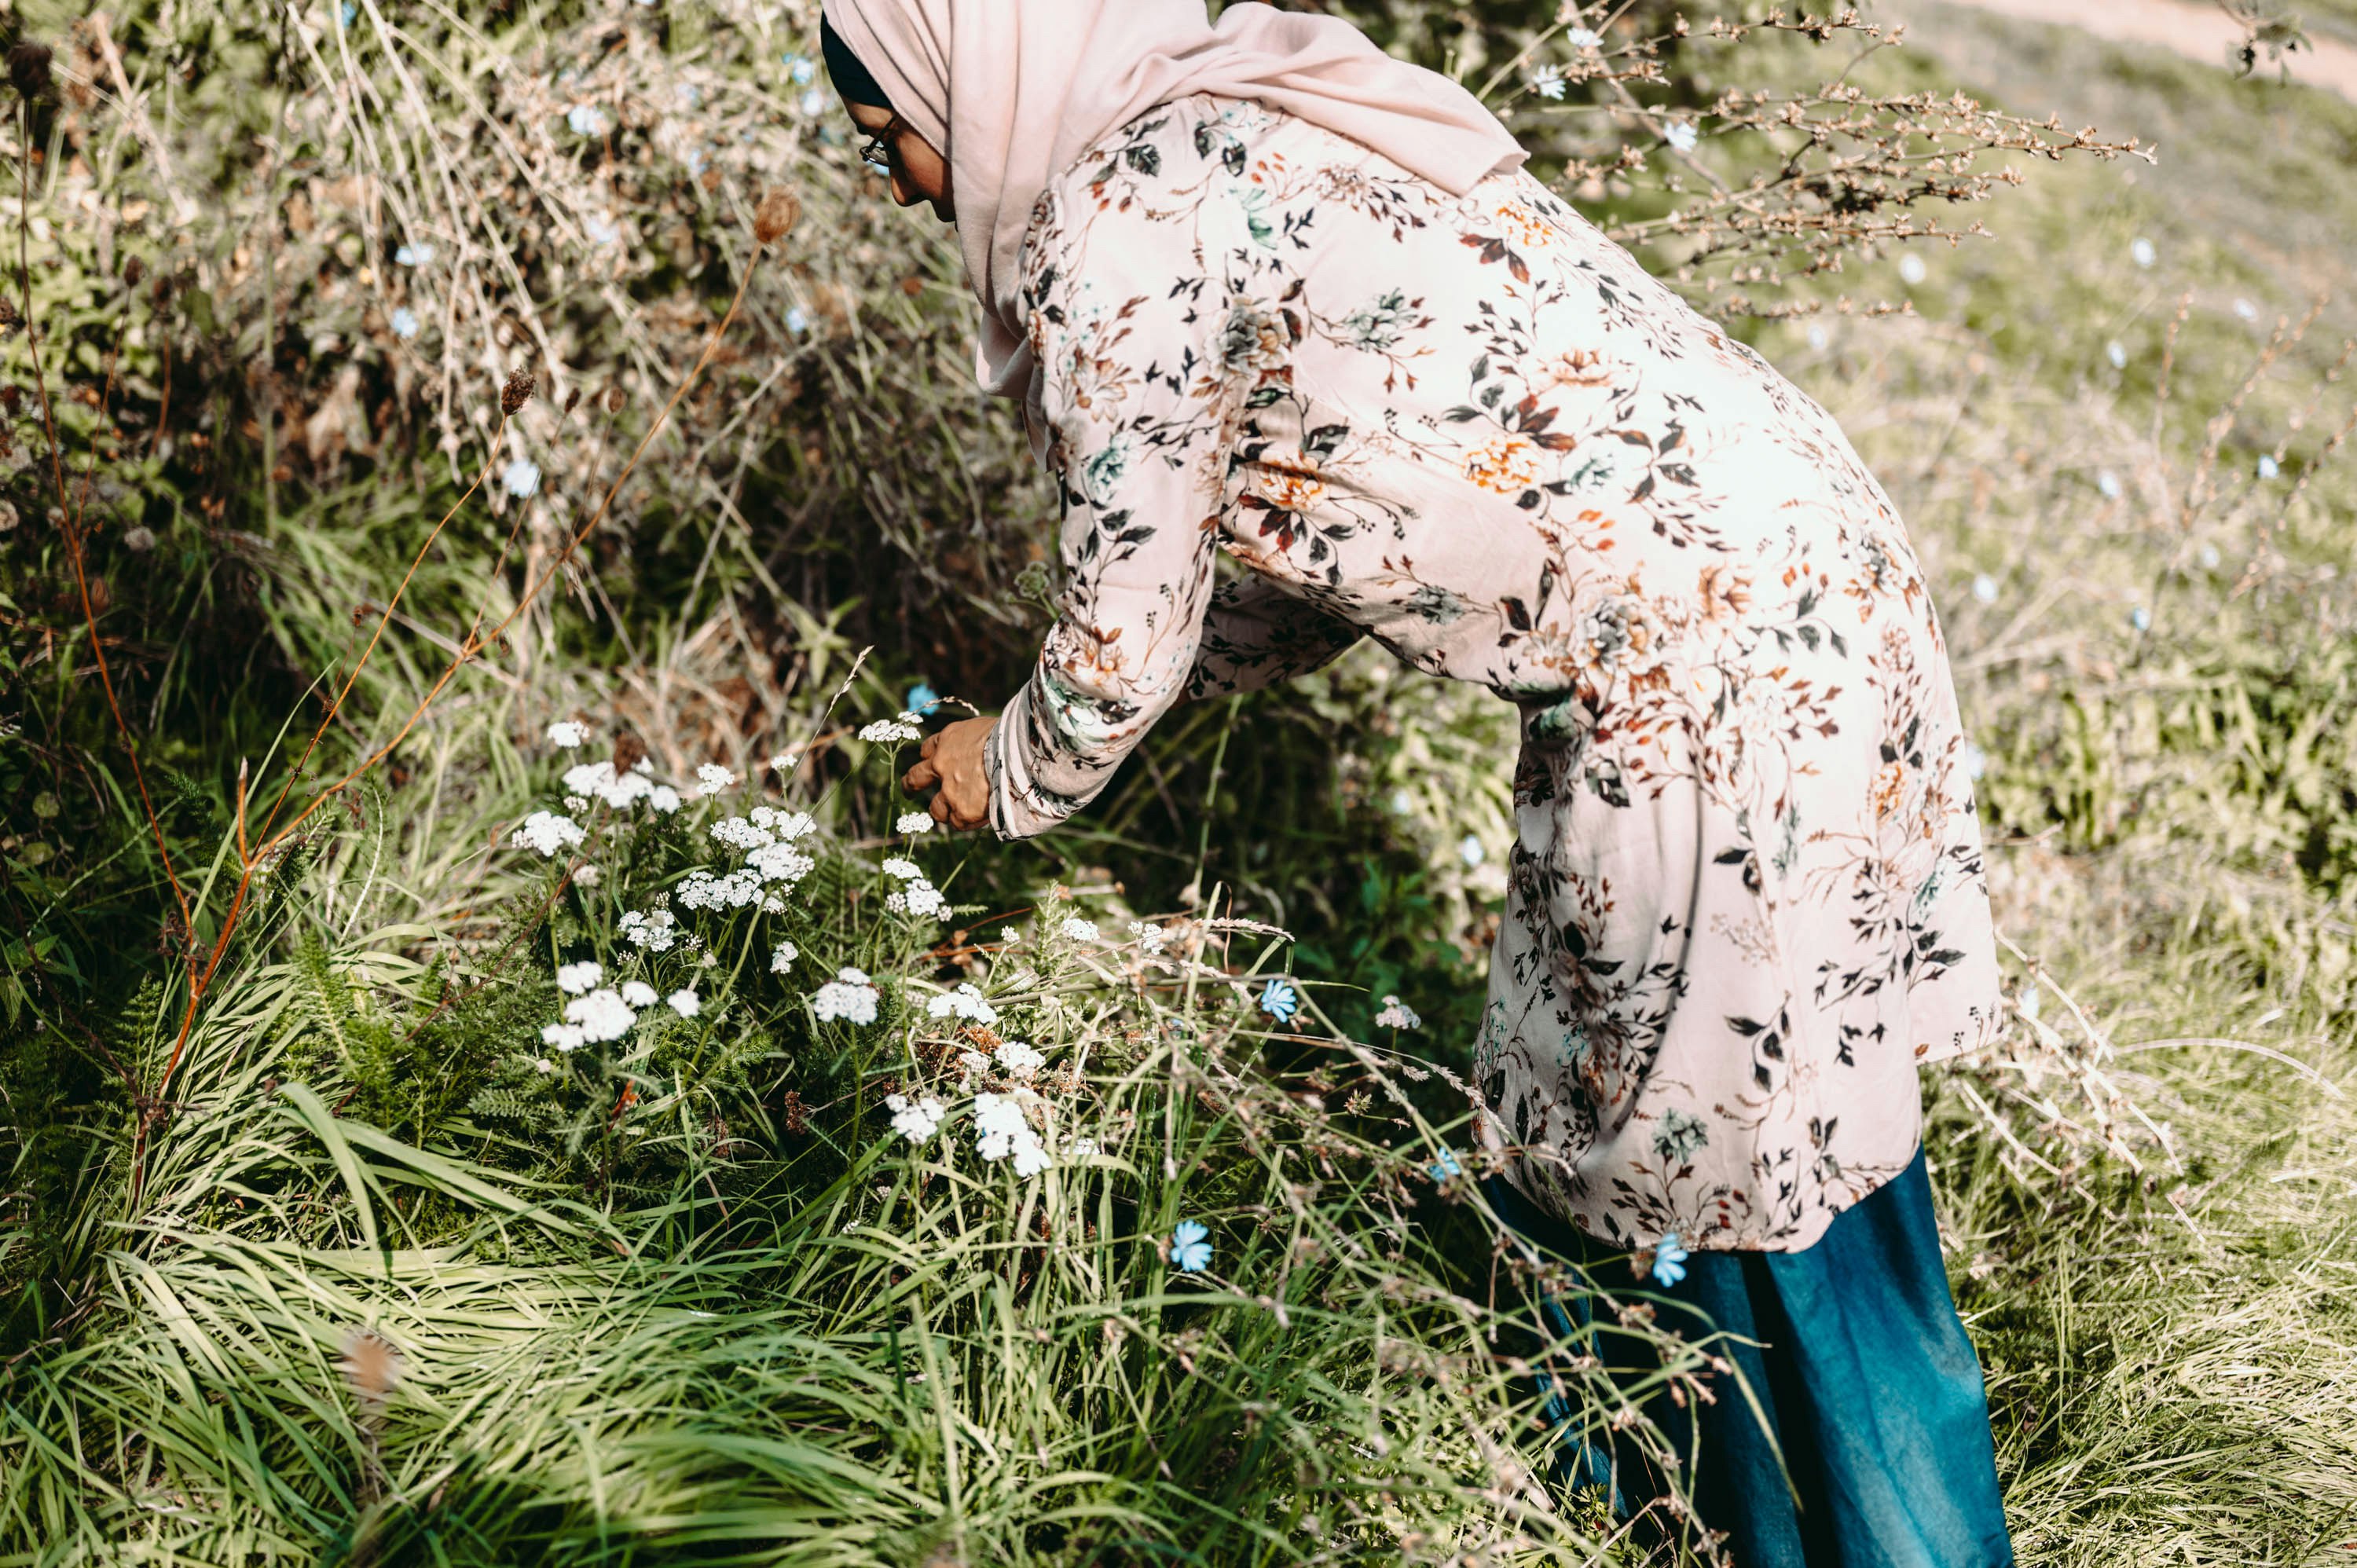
{"x":852,"y":82}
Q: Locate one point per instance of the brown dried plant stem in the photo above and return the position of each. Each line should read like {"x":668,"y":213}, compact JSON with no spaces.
{"x":249,"y":861}
{"x":69,"y":520}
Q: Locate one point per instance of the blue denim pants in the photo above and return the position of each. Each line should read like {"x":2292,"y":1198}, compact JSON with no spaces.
{"x":1860,"y":1365}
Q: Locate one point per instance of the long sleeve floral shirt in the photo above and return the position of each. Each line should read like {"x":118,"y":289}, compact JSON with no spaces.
{"x":1746,"y":898}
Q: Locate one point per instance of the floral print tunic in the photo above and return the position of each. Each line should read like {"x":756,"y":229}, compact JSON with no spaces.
{"x":1746,"y":898}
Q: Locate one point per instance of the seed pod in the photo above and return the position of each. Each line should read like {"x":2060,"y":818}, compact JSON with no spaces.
{"x":615,"y":398}
{"x":629,"y":751}
{"x":133,"y":271}
{"x":776,"y":215}
{"x":573,"y":400}
{"x":28,"y":69}
{"x":517,"y":392}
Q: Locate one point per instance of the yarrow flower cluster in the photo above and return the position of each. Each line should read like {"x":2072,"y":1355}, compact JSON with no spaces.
{"x":905,"y":727}
{"x":967,"y":1001}
{"x":784,"y":958}
{"x":1075,"y":928}
{"x":915,"y":1120}
{"x":1397,"y":1014}
{"x":850,"y":996}
{"x":916,"y":896}
{"x":548,"y":832}
{"x":913,"y":823}
{"x":714,"y":778}
{"x":1001,"y":1129}
{"x":1151,"y":938}
{"x":772,"y":866}
{"x":656,"y":930}
{"x":567,"y":735}
{"x":573,"y":979}
{"x":597,"y":781}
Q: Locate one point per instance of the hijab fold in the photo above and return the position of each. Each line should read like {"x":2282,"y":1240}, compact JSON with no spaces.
{"x":1013,"y":90}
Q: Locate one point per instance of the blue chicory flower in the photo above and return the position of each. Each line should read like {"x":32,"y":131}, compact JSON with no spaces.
{"x":2268,"y":467}
{"x":414,"y":256}
{"x":2140,"y":619}
{"x":1669,"y":1260}
{"x":521,"y":477}
{"x":1446,"y":1165}
{"x":801,"y":70}
{"x":922,"y":699}
{"x":404,"y":321}
{"x":1190,"y":1247}
{"x":1280,"y":1001}
{"x":587,"y":120}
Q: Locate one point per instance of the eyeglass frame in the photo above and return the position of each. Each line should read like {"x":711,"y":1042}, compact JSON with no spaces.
{"x":876,"y":153}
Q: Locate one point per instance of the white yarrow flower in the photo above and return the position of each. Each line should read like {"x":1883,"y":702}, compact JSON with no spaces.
{"x":913,"y":823}
{"x":684,"y":1003}
{"x":784,"y":958}
{"x":1019,"y":1060}
{"x":638,"y":993}
{"x":1397,"y":1014}
{"x":602,"y":1016}
{"x":573,"y":979}
{"x":915,"y":1120}
{"x":714,"y":778}
{"x":564,"y":1037}
{"x":849,"y":996}
{"x":906,"y":870}
{"x":547,"y":832}
{"x":967,"y":1001}
{"x":899,"y":729}
{"x":1078,"y":929}
{"x":566,"y":734}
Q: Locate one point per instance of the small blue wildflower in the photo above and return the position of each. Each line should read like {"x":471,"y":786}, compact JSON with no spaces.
{"x":2210,"y":557}
{"x":1547,"y":81}
{"x":1669,"y":1261}
{"x":2246,"y":310}
{"x":2117,"y":353}
{"x":348,"y":14}
{"x":587,"y":120}
{"x":814,"y":103}
{"x":2140,"y":619}
{"x":1985,"y":588}
{"x":404,"y":321}
{"x":922,"y":699}
{"x":521,"y":477}
{"x":2140,"y":250}
{"x":1279,"y":1000}
{"x":1190,"y":1247}
{"x":1469,"y":850}
{"x":601,"y":229}
{"x":2109,"y":483}
{"x":798,"y":320}
{"x":800,"y":69}
{"x":2268,"y":467}
{"x":1680,"y":134}
{"x":1446,"y":1165}
{"x":414,"y":256}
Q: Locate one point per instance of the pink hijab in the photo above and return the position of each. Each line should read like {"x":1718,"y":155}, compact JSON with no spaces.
{"x":1013,"y":90}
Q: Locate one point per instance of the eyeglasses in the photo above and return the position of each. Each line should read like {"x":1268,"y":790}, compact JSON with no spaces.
{"x":877,"y":153}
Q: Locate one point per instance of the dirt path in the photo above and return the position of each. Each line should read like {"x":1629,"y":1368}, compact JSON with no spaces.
{"x":2196,"y":31}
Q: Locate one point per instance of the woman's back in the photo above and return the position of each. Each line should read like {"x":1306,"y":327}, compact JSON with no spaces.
{"x":1746,"y":899}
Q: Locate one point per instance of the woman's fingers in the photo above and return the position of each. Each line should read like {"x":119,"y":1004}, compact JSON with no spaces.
{"x":941,"y":808}
{"x":923,"y":776}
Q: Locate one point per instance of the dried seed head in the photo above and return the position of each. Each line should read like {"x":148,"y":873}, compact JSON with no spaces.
{"x":517,"y":392}
{"x":629,"y":752}
{"x":615,"y":399}
{"x":133,"y":271}
{"x":28,"y":69}
{"x":9,"y":319}
{"x":12,"y":398}
{"x":372,"y":1366}
{"x":776,"y":215}
{"x":573,"y":400}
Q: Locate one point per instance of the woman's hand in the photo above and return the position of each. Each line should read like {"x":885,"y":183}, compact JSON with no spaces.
{"x":950,"y":763}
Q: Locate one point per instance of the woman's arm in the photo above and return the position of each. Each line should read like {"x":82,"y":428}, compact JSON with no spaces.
{"x":1125,"y":325}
